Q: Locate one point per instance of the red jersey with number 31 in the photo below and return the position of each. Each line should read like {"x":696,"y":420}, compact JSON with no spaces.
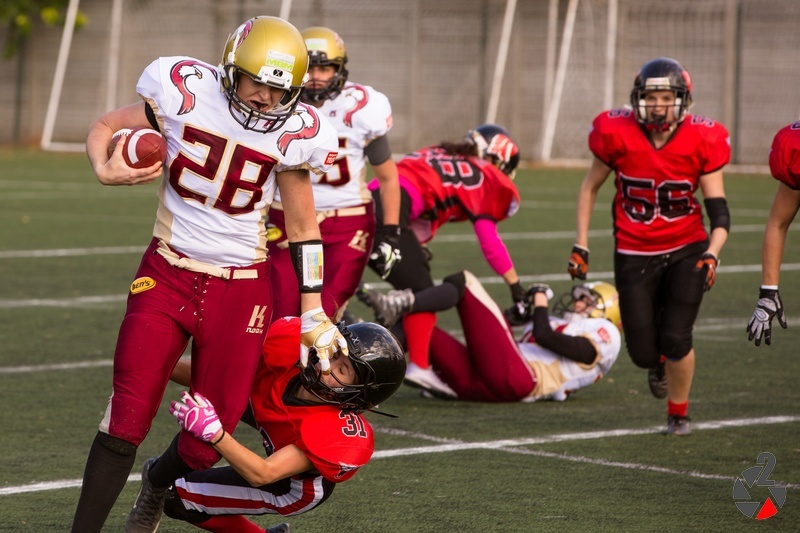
{"x":655,"y":210}
{"x":784,"y":156}
{"x":336,"y":441}
{"x":456,"y":188}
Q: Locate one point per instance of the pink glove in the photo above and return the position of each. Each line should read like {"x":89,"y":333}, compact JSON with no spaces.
{"x":196,"y":415}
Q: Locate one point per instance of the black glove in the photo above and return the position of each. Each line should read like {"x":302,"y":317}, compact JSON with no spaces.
{"x":386,"y":250}
{"x":769,"y":306}
{"x":519,"y":313}
{"x":540,"y":287}
{"x":578,"y":265}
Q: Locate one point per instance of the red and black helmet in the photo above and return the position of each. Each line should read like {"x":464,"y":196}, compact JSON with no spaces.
{"x":495,"y":145}
{"x":378,"y":361}
{"x":662,"y":74}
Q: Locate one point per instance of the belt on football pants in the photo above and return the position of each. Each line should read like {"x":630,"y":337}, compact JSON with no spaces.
{"x":186,"y":263}
{"x":343,"y":212}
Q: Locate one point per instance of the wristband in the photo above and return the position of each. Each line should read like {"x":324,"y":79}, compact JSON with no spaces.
{"x":308,"y":264}
{"x":219,"y":439}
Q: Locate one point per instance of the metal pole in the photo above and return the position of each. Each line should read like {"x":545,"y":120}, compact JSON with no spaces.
{"x":113,"y":54}
{"x":58,"y":79}
{"x":500,"y":65}
{"x":611,"y":53}
{"x":561,"y":73}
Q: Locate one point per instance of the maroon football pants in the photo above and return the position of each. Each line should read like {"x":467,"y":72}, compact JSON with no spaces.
{"x":490,"y":368}
{"x":226,"y":320}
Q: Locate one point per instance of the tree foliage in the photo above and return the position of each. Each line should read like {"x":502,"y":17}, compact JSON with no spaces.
{"x":19,"y":17}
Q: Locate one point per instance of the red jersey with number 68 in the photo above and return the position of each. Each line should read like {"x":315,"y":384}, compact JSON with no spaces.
{"x":457,"y":188}
{"x":784,"y":156}
{"x":336,"y":441}
{"x":655,"y":210}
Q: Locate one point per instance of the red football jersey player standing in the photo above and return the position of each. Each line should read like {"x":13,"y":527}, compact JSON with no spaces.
{"x":784,"y":163}
{"x":664,"y":261}
{"x":451,"y":182}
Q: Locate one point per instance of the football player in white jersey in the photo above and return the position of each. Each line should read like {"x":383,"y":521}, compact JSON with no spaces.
{"x":362,"y":117}
{"x":234,"y":132}
{"x":556,"y":355}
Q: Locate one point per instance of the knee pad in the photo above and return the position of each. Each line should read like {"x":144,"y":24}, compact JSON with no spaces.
{"x":115,"y":444}
{"x":675,"y":347}
{"x":459,"y":280}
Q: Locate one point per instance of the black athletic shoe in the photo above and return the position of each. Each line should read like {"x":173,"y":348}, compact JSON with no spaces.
{"x":679,"y":425}
{"x":657,"y":379}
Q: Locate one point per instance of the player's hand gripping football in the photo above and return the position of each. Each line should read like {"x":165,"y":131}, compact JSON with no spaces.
{"x":386,"y":252}
{"x":196,"y":415}
{"x":709,"y":262}
{"x":578,"y":265}
{"x":318,"y":332}
{"x":768,"y":307}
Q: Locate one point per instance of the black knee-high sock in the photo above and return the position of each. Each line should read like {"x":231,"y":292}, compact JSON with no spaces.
{"x":169,"y":466}
{"x":107,"y":469}
{"x":439,"y":298}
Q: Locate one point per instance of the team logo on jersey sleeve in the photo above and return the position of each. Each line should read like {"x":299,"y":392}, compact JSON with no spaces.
{"x":344,"y":469}
{"x":142,"y":284}
{"x":180,"y":72}
{"x":308,"y":130}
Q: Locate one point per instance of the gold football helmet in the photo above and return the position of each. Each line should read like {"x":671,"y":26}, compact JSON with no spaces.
{"x":325,"y":47}
{"x":601,"y":298}
{"x":271,"y":51}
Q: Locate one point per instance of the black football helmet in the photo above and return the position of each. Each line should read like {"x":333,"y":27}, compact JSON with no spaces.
{"x":325,"y":47}
{"x":662,"y":74}
{"x":378,"y":361}
{"x":495,"y":145}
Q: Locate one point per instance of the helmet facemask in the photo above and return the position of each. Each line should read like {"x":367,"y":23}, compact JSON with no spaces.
{"x":662,"y":74}
{"x":325,"y":48}
{"x":270,"y":51}
{"x":333,"y":87}
{"x":601,"y":300}
{"x":382,"y":354}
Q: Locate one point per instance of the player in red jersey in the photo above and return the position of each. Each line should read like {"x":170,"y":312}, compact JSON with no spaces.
{"x":315,"y":433}
{"x":784,"y":163}
{"x":664,"y":261}
{"x":451,"y":182}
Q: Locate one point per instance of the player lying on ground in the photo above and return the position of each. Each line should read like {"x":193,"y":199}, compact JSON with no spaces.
{"x":315,"y":433}
{"x":555,"y":356}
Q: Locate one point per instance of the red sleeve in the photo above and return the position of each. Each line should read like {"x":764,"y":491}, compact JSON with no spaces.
{"x":784,"y":156}
{"x":605,"y":140}
{"x":717,"y":146}
{"x":337,"y":442}
{"x":282,"y":344}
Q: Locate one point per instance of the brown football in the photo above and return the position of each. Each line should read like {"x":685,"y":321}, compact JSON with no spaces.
{"x":142,"y":147}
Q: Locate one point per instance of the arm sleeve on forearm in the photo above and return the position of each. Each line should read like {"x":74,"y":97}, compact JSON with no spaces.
{"x":492,"y":246}
{"x":579,"y":349}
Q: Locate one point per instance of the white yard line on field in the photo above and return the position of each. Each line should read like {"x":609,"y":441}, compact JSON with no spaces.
{"x":461,"y":237}
{"x":86,"y":301}
{"x":511,"y":446}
